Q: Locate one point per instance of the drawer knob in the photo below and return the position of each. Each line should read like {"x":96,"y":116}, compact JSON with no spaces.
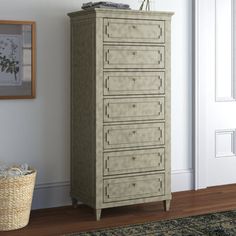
{"x":134,"y":79}
{"x":134,"y":132}
{"x":134,"y":184}
{"x":133,"y":158}
{"x":134,"y":27}
{"x":134,"y":53}
{"x":133,"y":105}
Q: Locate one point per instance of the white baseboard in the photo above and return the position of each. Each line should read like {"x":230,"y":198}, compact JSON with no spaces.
{"x":182,"y":180}
{"x":58,"y":194}
{"x":51,"y":195}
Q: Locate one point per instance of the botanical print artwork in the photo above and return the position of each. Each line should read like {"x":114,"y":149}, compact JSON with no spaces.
{"x":17,"y":59}
{"x":10,"y":57}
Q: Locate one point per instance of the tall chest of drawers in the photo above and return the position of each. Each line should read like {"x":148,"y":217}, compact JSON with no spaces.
{"x":120,"y":107}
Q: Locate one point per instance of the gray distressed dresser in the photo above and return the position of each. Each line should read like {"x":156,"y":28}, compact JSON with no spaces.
{"x":120,"y":107}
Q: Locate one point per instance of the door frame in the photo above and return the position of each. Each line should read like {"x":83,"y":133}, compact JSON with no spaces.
{"x":200,"y":163}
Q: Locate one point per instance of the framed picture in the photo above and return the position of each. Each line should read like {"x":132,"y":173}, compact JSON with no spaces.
{"x":17,"y":59}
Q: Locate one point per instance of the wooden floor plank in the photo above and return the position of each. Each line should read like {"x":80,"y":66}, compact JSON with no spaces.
{"x":58,"y":221}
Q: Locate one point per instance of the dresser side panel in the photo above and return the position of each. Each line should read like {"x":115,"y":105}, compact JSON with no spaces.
{"x":83,"y":111}
{"x":99,"y":112}
{"x":168,"y":109}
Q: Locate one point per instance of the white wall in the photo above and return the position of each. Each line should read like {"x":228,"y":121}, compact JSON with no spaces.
{"x":37,"y":131}
{"x":182,"y":173}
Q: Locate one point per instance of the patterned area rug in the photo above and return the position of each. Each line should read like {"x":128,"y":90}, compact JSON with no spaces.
{"x":216,"y":224}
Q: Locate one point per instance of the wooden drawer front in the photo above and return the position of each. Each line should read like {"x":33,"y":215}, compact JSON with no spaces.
{"x":125,"y":109}
{"x":133,"y":187}
{"x":128,"y":83}
{"x":143,"y":31}
{"x":134,"y":161}
{"x":119,"y":57}
{"x":121,"y":136}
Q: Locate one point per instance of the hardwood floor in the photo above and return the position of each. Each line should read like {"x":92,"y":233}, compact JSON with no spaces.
{"x":58,"y":221}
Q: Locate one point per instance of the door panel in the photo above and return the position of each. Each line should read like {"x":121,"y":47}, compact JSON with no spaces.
{"x":221,"y":103}
{"x":216,"y":106}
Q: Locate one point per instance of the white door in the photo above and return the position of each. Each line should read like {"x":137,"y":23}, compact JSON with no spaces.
{"x":215,"y":93}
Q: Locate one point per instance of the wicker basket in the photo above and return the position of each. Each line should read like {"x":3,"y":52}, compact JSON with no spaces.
{"x":15,"y":201}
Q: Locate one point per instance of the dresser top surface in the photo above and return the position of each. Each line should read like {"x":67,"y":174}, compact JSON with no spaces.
{"x":119,"y":13}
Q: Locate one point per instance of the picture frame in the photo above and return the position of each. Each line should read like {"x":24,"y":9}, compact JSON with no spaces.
{"x":17,"y":59}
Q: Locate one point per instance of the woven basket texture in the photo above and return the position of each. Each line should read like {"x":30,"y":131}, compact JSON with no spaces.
{"x":16,"y":195}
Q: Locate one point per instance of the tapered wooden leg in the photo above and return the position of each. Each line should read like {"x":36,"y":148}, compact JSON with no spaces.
{"x":98,"y":214}
{"x":74,"y":202}
{"x":167,"y":205}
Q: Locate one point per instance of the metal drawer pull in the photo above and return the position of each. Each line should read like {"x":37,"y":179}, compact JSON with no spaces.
{"x":134,"y":27}
{"x":133,"y":158}
{"x":134,"y":132}
{"x":134,"y":184}
{"x":133,"y":105}
{"x":134,"y":79}
{"x":134,"y":53}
